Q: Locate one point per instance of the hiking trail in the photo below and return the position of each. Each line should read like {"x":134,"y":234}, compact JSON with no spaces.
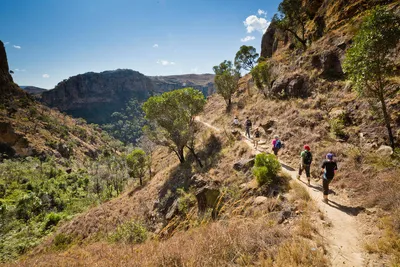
{"x":342,"y":236}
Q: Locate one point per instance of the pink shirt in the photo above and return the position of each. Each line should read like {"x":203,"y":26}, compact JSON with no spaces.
{"x":274,"y":142}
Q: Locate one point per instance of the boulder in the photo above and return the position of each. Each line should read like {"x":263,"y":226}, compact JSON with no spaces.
{"x":385,"y":151}
{"x":260,"y":200}
{"x":207,"y":198}
{"x":244,"y":164}
{"x":283,"y":215}
{"x":267,"y":126}
{"x":290,"y":86}
{"x":329,"y":63}
{"x":173,"y":210}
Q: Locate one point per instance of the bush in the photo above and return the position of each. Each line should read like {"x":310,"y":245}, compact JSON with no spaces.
{"x":52,"y":219}
{"x":130,"y":232}
{"x":61,"y":241}
{"x":266,"y":168}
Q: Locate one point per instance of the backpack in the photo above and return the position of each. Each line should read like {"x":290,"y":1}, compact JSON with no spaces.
{"x":278,"y":144}
{"x":307,"y":159}
{"x":248,"y":123}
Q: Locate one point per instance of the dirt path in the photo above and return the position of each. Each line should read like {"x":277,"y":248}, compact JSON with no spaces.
{"x":342,"y":237}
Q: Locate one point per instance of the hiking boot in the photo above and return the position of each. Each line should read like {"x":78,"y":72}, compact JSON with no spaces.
{"x":325,"y":199}
{"x":298,"y":177}
{"x":308,"y":183}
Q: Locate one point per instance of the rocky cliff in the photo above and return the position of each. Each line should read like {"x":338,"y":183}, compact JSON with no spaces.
{"x":28,"y":128}
{"x":330,"y":29}
{"x":95,"y":96}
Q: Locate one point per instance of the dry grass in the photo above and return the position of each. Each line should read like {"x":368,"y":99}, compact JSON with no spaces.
{"x":225,"y":243}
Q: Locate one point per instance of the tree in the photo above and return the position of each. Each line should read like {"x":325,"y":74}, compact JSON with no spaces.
{"x":246,"y":58}
{"x":292,"y":18}
{"x":136,"y":161}
{"x":148,"y":147}
{"x":263,"y":77}
{"x":226,"y":80}
{"x":368,"y":63}
{"x":127,"y":124}
{"x":172,"y":117}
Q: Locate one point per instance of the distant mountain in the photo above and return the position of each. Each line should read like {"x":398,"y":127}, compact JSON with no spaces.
{"x":33,"y":90}
{"x":95,"y":96}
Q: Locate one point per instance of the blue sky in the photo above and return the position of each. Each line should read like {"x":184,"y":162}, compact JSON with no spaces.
{"x":50,"y":40}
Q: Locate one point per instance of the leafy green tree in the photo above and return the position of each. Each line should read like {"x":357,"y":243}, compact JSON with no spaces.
{"x":136,"y":162}
{"x":263,"y":77}
{"x":172,"y":116}
{"x":226,"y":80}
{"x":292,"y":18}
{"x":127,"y":124}
{"x":368,"y":62}
{"x":246,"y":58}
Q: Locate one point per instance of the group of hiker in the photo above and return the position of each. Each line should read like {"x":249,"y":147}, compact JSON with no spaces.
{"x":328,"y":166}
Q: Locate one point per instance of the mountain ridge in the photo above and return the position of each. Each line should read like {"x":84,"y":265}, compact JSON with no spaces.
{"x":94,"y":96}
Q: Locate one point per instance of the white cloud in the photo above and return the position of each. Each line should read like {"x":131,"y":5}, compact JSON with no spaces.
{"x":16,"y":69}
{"x":262,"y":13}
{"x":6,"y":43}
{"x":46,"y":76}
{"x":17,"y":46}
{"x":165,"y":62}
{"x":254,"y":23}
{"x":194,"y":70}
{"x":155,"y":45}
{"x":247,"y":38}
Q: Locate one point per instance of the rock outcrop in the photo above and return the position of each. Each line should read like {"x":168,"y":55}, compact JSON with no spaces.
{"x":95,"y":96}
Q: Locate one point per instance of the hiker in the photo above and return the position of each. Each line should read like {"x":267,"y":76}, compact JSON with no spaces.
{"x":236,"y":122}
{"x":276,"y":145}
{"x":256,"y":137}
{"x":248,"y":125}
{"x":329,"y":168}
{"x":305,"y":163}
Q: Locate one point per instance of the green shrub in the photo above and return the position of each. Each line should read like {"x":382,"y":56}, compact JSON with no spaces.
{"x":337,"y":127}
{"x":52,"y":219}
{"x":130,"y":232}
{"x":266,"y":168}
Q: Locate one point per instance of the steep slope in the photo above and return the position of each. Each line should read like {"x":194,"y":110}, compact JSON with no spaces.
{"x":51,"y":167}
{"x":95,"y":96}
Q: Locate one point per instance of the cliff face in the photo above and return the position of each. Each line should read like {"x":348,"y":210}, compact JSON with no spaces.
{"x":8,"y":90}
{"x":325,"y":16}
{"x":95,"y":96}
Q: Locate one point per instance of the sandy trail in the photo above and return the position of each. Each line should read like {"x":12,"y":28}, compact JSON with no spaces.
{"x":342,"y":237}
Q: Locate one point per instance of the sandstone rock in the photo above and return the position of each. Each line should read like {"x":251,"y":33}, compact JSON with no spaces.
{"x":173,"y":210}
{"x":244,"y":164}
{"x":267,"y":126}
{"x":268,"y":43}
{"x":283,"y":215}
{"x":290,"y":86}
{"x":95,"y":96}
{"x":260,"y":200}
{"x":385,"y":151}
{"x":329,"y":63}
{"x":207,"y":197}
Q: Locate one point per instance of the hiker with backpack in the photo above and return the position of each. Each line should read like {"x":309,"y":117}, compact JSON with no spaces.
{"x":329,"y":168}
{"x":256,"y":137}
{"x":248,"y":125}
{"x":305,"y":163}
{"x":276,"y":145}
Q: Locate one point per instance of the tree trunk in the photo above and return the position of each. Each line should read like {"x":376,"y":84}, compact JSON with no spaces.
{"x":141,"y":180}
{"x":195,"y":156}
{"x":387,"y":120}
{"x":181,"y":156}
